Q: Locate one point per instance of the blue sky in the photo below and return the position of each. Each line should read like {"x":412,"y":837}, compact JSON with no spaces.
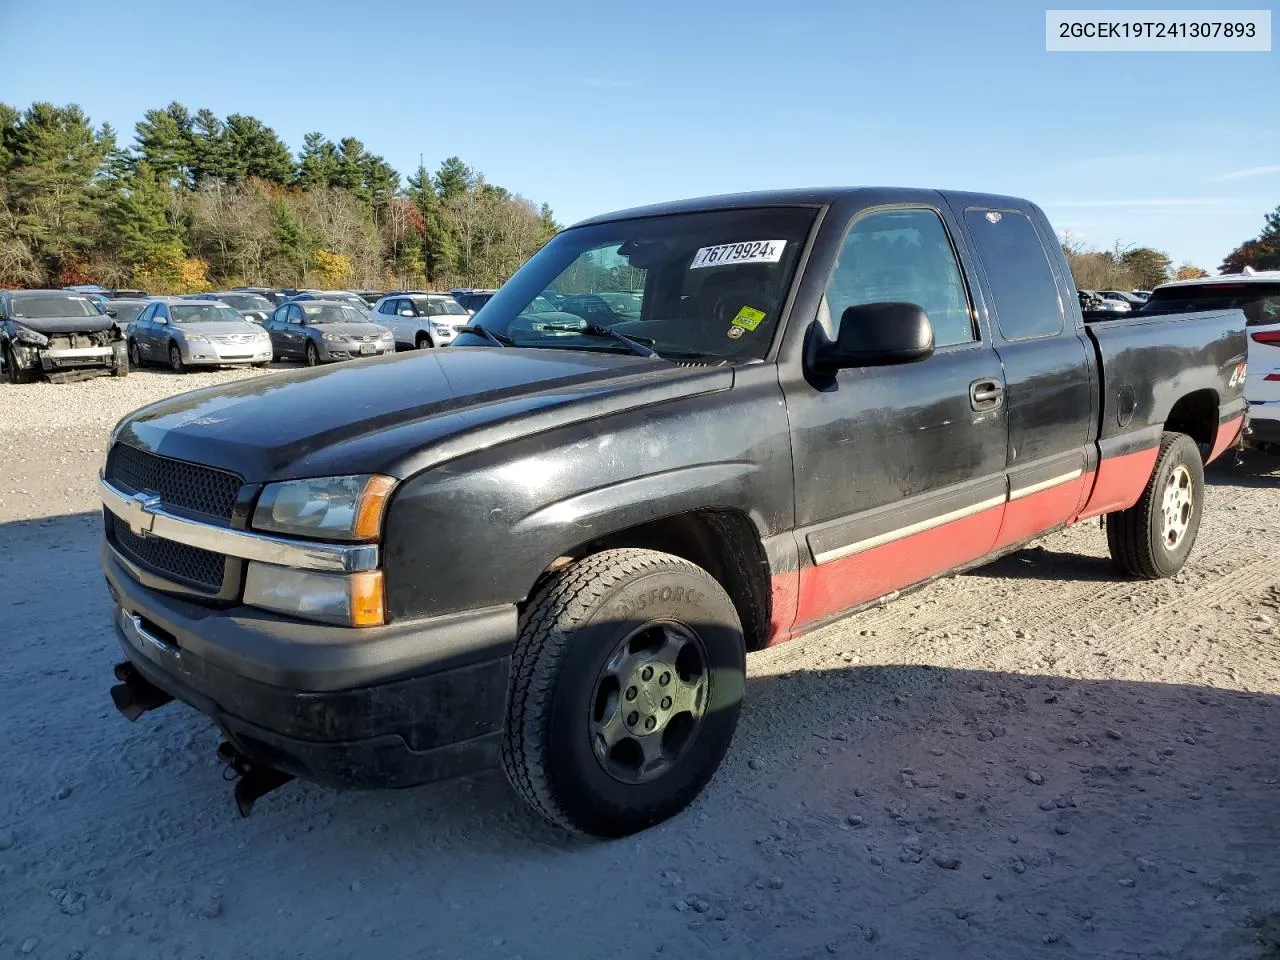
{"x":597,"y":106}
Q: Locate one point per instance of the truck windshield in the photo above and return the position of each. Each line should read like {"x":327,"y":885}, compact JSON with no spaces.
{"x":706,"y":286}
{"x":46,"y":306}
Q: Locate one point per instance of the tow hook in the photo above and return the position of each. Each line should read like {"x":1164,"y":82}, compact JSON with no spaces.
{"x":253,"y":780}
{"x":135,"y":695}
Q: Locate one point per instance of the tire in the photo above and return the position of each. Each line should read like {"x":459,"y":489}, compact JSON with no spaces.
{"x":175,"y":359}
{"x":584,"y":622}
{"x":121,"y":369}
{"x":312,"y":355}
{"x":16,"y":374}
{"x":423,"y":342}
{"x":135,"y":355}
{"x":263,"y":365}
{"x":1153,"y":538}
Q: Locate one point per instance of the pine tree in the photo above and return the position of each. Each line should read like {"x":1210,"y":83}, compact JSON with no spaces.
{"x":316,"y":162}
{"x":210,"y":154}
{"x":55,"y":160}
{"x":454,"y":178}
{"x":141,"y":230}
{"x":254,"y":150}
{"x":163,"y":141}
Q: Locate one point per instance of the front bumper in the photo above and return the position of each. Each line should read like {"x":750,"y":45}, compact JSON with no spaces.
{"x":351,"y":351}
{"x":225,"y":355}
{"x":391,"y":706}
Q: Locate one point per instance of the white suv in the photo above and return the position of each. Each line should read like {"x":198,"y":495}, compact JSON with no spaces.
{"x":1258,"y":295}
{"x":421,"y":320}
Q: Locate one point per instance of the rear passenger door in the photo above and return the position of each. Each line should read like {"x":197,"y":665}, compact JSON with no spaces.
{"x":899,"y":469}
{"x":1051,"y":388}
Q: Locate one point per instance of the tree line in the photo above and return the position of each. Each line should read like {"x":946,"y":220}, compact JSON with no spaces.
{"x":1123,"y":268}
{"x":197,"y":201}
{"x":1260,"y":253}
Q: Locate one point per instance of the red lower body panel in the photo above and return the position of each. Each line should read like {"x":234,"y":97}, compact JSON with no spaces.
{"x":1120,"y":482}
{"x":1030,"y":515}
{"x":827,"y":589}
{"x":816,"y":593}
{"x":1226,"y":436}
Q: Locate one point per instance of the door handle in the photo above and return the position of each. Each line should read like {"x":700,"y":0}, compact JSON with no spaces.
{"x":986,"y":394}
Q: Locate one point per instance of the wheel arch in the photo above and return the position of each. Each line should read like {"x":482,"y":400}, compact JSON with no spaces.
{"x":722,"y":541}
{"x":1196,"y":415}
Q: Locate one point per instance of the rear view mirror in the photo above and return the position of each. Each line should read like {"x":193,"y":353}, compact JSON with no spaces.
{"x":874,"y":334}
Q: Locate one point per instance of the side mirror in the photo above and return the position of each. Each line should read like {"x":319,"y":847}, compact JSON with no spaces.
{"x":161,"y":320}
{"x":875,"y":334}
{"x":471,"y":313}
{"x":407,"y":313}
{"x":112,"y":313}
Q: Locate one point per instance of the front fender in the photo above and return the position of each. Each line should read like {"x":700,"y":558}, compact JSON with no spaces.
{"x":478,"y":530}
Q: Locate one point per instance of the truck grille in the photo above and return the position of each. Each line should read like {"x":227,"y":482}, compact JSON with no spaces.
{"x":187,"y":486}
{"x":190,"y":565}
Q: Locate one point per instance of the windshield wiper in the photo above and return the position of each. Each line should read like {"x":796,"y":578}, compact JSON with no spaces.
{"x":595,"y":330}
{"x":498,"y":338}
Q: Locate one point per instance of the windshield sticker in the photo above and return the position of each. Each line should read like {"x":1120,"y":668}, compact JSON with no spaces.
{"x":754,"y":251}
{"x":748,"y":318}
{"x":735,"y":333}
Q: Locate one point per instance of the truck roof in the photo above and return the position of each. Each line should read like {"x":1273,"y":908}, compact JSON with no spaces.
{"x":802,"y":197}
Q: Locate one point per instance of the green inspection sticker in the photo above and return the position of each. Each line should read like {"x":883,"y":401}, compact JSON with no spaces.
{"x":748,"y":318}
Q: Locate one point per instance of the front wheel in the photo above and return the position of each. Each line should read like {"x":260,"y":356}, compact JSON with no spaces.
{"x":16,"y":373}
{"x":626,"y":681}
{"x":175,"y":359}
{"x":1153,"y":538}
{"x":423,"y":342}
{"x":135,"y":355}
{"x":313,"y":355}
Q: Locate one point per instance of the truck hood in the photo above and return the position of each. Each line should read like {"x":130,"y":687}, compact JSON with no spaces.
{"x":403,"y":413}
{"x":53,"y":325}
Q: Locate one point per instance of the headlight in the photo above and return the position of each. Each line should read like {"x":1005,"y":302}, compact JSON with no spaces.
{"x":31,"y":337}
{"x":442,"y":329}
{"x":385,"y":335}
{"x":328,"y":508}
{"x":350,"y":600}
{"x":333,"y":337}
{"x":195,"y":338}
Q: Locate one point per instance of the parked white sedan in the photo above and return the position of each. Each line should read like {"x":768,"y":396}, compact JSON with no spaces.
{"x":421,"y":320}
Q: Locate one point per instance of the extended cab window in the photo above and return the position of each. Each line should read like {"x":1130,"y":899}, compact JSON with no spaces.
{"x":906,"y":256}
{"x":1017,"y":268}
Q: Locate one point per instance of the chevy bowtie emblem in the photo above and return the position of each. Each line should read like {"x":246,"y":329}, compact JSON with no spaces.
{"x":140,"y":512}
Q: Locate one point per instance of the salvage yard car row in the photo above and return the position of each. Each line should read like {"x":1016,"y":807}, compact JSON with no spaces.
{"x":75,"y":334}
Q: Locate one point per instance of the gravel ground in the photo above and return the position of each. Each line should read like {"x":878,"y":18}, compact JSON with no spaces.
{"x":1034,"y":759}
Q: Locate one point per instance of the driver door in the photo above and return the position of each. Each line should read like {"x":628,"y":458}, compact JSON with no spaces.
{"x":899,"y":469}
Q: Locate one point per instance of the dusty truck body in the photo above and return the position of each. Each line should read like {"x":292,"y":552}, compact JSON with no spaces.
{"x":58,"y":335}
{"x":551,"y":545}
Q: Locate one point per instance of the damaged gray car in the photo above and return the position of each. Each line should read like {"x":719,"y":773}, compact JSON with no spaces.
{"x":60,"y":335}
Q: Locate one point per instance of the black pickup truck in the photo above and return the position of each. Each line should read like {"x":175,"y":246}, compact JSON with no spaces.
{"x":551,"y":545}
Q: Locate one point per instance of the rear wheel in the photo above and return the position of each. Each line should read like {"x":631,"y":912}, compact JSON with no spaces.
{"x":1153,"y":538}
{"x":313,"y":355}
{"x":423,"y":342}
{"x":627,"y":678}
{"x":175,"y":359}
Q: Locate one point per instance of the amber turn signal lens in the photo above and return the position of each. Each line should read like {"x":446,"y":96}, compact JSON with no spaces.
{"x":368,"y":606}
{"x":373,"y":502}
